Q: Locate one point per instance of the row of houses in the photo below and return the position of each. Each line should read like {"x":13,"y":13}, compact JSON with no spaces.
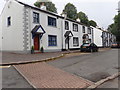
{"x":119,"y":7}
{"x":25,"y":26}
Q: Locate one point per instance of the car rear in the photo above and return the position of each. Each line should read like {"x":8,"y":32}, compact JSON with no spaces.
{"x":114,"y":45}
{"x":85,"y":47}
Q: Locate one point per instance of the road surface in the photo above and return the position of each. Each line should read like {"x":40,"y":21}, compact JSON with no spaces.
{"x":94,"y":67}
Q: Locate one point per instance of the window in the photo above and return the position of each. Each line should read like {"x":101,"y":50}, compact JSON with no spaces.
{"x":8,"y":21}
{"x":89,"y":31}
{"x":90,"y":41}
{"x":52,"y":40}
{"x":35,"y":17}
{"x":52,"y":21}
{"x":75,"y":27}
{"x":66,"y":25}
{"x":75,"y":41}
{"x":83,"y":28}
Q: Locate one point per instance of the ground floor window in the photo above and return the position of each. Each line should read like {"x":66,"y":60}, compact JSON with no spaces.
{"x":75,"y":41}
{"x":90,"y":41}
{"x":52,"y":40}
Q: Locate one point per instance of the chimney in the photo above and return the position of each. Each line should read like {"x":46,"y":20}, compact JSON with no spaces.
{"x":78,"y":20}
{"x":43,"y":7}
{"x":64,"y":14}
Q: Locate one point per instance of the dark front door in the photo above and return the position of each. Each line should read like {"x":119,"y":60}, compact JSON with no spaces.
{"x":36,"y":42}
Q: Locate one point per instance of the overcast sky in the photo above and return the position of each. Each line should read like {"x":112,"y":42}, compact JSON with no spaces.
{"x":102,"y":11}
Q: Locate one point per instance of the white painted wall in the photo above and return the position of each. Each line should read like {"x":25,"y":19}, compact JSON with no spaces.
{"x":97,"y":37}
{"x":50,"y":30}
{"x":0,"y":33}
{"x":119,"y":6}
{"x":78,"y":34}
{"x":12,"y":35}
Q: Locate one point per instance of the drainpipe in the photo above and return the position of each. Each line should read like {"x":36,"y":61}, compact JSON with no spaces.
{"x":62,"y":22}
{"x":92,"y":35}
{"x":68,"y":43}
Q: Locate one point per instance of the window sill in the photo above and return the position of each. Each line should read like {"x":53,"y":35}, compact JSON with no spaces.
{"x":75,"y":31}
{"x":52,"y":46}
{"x":76,"y":45}
{"x":66,"y":29}
{"x":36,"y":23}
{"x":52,"y":26}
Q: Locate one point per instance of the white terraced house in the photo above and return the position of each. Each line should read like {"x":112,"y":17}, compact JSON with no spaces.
{"x":25,"y":26}
{"x":103,"y":38}
{"x":119,"y":7}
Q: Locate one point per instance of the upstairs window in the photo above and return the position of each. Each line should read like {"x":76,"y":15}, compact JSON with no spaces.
{"x":75,"y":41}
{"x":52,"y":21}
{"x":52,"y":40}
{"x":66,"y":25}
{"x":9,"y":21}
{"x":89,"y":31}
{"x":35,"y":17}
{"x":83,"y":29}
{"x":75,"y":27}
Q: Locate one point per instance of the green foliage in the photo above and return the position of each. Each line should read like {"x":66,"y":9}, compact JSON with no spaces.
{"x":32,"y":50}
{"x":92,"y":23}
{"x":42,"y":49}
{"x":71,"y":11}
{"x":49,"y":6}
{"x":115,"y":27}
{"x":83,"y":17}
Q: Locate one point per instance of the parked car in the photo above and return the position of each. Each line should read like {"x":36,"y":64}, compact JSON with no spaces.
{"x":115,"y":45}
{"x":89,"y":47}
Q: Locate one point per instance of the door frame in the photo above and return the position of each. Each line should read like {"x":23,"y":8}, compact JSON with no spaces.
{"x":37,"y":35}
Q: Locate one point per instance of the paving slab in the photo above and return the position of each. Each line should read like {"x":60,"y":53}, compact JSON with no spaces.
{"x":42,"y":75}
{"x":10,"y":57}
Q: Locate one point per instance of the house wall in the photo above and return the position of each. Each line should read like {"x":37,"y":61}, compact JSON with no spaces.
{"x":75,"y":34}
{"x":119,"y":7}
{"x":98,"y":37}
{"x":12,"y":35}
{"x":0,"y":33}
{"x":50,"y":30}
{"x":78,"y":34}
{"x":18,"y":36}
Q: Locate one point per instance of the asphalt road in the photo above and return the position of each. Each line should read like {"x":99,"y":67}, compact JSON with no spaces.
{"x":94,"y":67}
{"x":12,"y":79}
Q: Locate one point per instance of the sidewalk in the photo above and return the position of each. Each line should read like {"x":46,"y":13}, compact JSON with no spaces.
{"x":8,"y":57}
{"x":42,"y":75}
{"x":16,"y":58}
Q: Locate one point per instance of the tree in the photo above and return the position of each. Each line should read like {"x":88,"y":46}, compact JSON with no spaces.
{"x":92,"y":23}
{"x":115,"y":27}
{"x":49,"y":6}
{"x":71,"y":11}
{"x":83,"y":17}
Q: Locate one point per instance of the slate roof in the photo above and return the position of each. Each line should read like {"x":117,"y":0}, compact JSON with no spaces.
{"x":34,"y":30}
{"x":68,"y":33}
{"x":51,"y":13}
